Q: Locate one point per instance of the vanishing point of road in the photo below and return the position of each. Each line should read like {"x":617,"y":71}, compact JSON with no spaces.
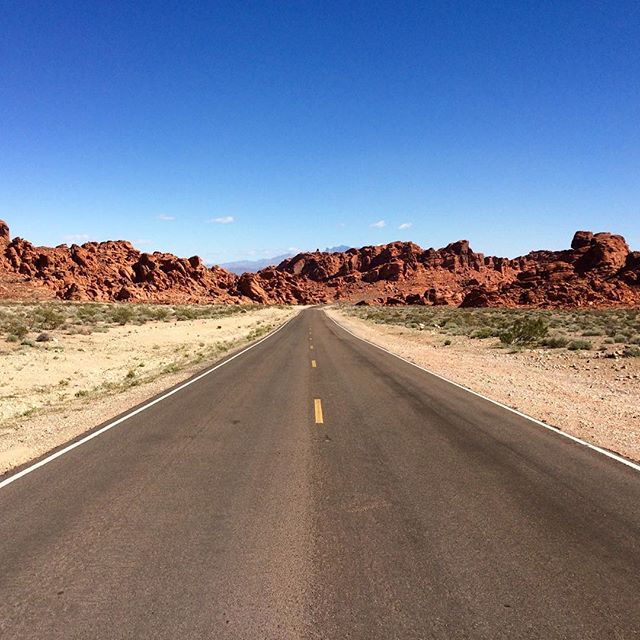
{"x":317,"y":487}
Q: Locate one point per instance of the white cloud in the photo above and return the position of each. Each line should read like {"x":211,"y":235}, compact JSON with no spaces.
{"x":379,"y":224}
{"x":222,"y":220}
{"x":76,"y":238}
{"x":406,"y":225}
{"x":141,"y":242}
{"x":166,"y":218}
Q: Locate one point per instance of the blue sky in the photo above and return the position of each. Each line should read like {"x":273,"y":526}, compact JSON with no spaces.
{"x":303,"y":124}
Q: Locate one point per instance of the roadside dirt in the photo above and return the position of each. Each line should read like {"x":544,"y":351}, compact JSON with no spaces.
{"x":596,"y":399}
{"x":53,"y":391}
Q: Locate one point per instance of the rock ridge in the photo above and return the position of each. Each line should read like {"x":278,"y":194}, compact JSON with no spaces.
{"x":598,"y":270}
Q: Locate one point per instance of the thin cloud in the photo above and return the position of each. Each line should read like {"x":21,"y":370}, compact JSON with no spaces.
{"x":166,"y":218}
{"x":380,"y":224}
{"x":222,"y":220}
{"x":76,"y":238}
{"x":406,"y":225}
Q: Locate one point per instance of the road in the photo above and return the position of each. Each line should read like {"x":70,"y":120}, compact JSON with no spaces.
{"x":360,"y":498}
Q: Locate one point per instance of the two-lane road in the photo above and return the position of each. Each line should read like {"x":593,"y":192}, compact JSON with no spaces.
{"x":318,"y":487}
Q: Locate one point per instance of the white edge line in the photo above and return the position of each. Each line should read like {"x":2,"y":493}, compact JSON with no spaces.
{"x":604,"y":452}
{"x":115,"y":423}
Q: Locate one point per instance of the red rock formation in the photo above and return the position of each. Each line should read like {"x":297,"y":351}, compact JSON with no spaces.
{"x":598,"y":270}
{"x":115,"y":270}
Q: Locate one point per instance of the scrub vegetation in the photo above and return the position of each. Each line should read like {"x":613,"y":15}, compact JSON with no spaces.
{"x":607,"y":331}
{"x":21,"y":322}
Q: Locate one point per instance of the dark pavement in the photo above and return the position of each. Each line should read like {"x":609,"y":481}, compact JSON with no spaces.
{"x":415,"y":510}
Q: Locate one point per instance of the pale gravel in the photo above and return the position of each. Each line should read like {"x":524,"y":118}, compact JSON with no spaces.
{"x":596,"y":399}
{"x":43,"y":380}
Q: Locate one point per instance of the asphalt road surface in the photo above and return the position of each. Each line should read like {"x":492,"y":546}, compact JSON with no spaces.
{"x":358,"y":498}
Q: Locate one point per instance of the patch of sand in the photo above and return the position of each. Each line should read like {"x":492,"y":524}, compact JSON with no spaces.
{"x":52,"y":392}
{"x":596,"y":399}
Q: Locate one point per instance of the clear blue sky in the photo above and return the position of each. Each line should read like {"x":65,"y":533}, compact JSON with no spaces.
{"x":511,"y":124}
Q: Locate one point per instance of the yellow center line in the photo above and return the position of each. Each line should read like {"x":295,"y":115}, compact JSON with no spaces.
{"x":313,"y":364}
{"x":311,"y":347}
{"x":317,"y":406}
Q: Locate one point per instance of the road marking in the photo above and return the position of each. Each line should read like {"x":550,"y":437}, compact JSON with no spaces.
{"x":317,"y":407}
{"x":115,"y":423}
{"x":313,"y":364}
{"x":311,"y":347}
{"x":594,"y":447}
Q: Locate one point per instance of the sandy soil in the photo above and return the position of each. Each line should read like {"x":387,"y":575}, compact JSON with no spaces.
{"x":53,"y":391}
{"x":596,"y":399}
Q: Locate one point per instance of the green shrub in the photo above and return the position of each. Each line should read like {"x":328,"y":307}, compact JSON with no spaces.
{"x":482,"y":334}
{"x":525,"y":331}
{"x":555,"y":342}
{"x":122,"y":315}
{"x":49,"y":317}
{"x":16,"y":328}
{"x":579,"y":345}
{"x":631,"y":352}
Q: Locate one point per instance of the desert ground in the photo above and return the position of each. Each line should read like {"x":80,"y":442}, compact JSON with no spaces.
{"x":69,"y":367}
{"x":579,"y":373}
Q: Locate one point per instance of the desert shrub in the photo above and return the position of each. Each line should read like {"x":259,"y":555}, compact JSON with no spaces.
{"x":447,"y":343}
{"x":525,"y":331}
{"x":122,"y":315}
{"x":160,"y":313}
{"x":555,"y":342}
{"x":17,"y":328}
{"x":631,"y":352}
{"x":186,"y":313}
{"x":481,"y":334}
{"x":87,"y":313}
{"x":579,"y":345}
{"x":49,"y":317}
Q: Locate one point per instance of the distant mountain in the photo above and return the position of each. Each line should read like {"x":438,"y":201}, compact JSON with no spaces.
{"x":339,"y":249}
{"x":252,"y":266}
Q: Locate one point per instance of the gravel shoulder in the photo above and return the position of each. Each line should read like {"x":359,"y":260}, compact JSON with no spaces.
{"x":596,"y":399}
{"x":51,"y":392}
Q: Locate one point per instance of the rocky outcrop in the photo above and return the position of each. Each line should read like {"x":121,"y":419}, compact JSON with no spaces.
{"x":598,"y":270}
{"x":5,"y":238}
{"x":115,"y":270}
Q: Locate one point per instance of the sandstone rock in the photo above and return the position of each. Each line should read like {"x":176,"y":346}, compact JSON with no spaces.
{"x":5,"y":238}
{"x":598,"y":270}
